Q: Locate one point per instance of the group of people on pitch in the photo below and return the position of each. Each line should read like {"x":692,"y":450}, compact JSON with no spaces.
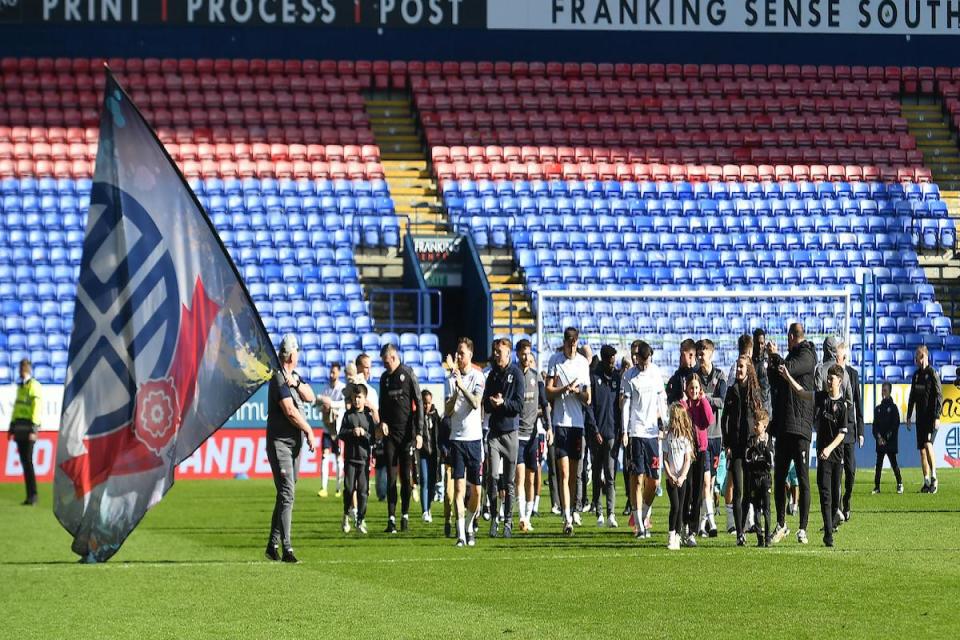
{"x":751,"y":431}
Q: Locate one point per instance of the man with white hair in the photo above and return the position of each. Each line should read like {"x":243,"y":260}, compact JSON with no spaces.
{"x":286,"y":427}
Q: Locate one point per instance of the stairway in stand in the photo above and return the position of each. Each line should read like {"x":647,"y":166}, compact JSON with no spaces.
{"x":414,"y":195}
{"x":404,"y":158}
{"x":512,"y":305}
{"x":938,"y":141}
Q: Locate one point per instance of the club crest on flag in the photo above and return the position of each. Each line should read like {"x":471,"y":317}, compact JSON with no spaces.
{"x":157,"y":413}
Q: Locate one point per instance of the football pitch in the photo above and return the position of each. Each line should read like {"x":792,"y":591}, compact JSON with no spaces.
{"x":195,"y":568}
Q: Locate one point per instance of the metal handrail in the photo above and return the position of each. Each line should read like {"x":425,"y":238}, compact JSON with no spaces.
{"x":513,"y":294}
{"x":423,"y":299}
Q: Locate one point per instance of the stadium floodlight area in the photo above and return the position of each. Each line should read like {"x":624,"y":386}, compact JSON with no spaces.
{"x":665,"y":318}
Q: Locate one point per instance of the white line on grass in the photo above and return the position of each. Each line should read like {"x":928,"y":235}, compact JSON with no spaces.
{"x":468,"y":556}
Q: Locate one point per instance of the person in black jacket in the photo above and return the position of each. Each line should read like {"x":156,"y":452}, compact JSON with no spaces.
{"x":401,"y":427}
{"x":604,"y":432}
{"x":714,"y":383}
{"x":688,"y":365}
{"x":886,"y":432}
{"x":742,"y":410}
{"x":830,"y":413}
{"x":758,"y":460}
{"x":429,"y":454}
{"x":926,"y":396}
{"x":503,"y":401}
{"x":854,"y":436}
{"x":792,"y":424}
{"x":356,"y":431}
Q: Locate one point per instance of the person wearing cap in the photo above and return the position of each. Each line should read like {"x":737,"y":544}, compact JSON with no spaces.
{"x":24,"y":424}
{"x":287,"y":425}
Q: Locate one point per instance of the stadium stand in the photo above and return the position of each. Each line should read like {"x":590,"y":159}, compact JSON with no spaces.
{"x":280,"y":155}
{"x":644,"y":177}
{"x":603,"y":175}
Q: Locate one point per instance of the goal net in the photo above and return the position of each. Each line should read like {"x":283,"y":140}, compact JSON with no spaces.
{"x":665,"y":318}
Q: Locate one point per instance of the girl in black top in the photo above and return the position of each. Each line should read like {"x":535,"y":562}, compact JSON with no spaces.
{"x":830,"y":414}
{"x":758,"y":460}
{"x":429,"y":454}
{"x":886,"y":430}
{"x":742,"y":410}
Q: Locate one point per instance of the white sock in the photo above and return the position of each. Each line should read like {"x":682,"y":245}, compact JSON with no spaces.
{"x":566,"y":515}
{"x":730,"y":518}
{"x":637,"y":522}
{"x":536,"y":504}
{"x":473,"y":516}
{"x":647,"y":512}
{"x":522,"y":505}
{"x":933,"y":473}
{"x":393,"y":518}
{"x":324,"y":471}
{"x":531,"y":507}
{"x":339,"y":472}
{"x":926,"y":481}
{"x":460,"y":529}
{"x":749,"y":522}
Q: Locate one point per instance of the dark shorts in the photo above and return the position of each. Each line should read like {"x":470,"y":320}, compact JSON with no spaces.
{"x":712,"y":461}
{"x":925,"y":433}
{"x":529,"y":455}
{"x":464,"y":460}
{"x":331,"y":444}
{"x":568,"y":442}
{"x":645,"y":457}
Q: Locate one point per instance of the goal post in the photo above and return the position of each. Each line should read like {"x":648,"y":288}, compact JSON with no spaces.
{"x":664,"y":318}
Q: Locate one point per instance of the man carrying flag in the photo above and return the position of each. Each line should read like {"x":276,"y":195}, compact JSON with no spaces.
{"x":285,"y":423}
{"x":162,"y":320}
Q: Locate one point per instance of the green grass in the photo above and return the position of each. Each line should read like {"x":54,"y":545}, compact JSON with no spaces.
{"x":195,"y":569}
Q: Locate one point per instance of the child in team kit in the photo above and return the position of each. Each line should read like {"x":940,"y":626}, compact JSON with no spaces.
{"x":758,"y":462}
{"x":356,"y":432}
{"x":830,"y":412}
{"x":886,"y":432}
{"x":678,"y":453}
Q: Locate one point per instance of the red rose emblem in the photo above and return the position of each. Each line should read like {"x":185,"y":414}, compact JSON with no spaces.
{"x":157,"y":413}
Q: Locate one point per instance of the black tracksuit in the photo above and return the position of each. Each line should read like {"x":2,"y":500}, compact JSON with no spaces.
{"x":758,"y":460}
{"x":926,"y":397}
{"x":792,"y":426}
{"x":886,"y":431}
{"x":356,"y":459}
{"x":607,"y":419}
{"x":831,"y":417}
{"x":401,"y":409}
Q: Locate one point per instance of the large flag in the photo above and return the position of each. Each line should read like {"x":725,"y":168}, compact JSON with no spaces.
{"x":166,"y":343}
